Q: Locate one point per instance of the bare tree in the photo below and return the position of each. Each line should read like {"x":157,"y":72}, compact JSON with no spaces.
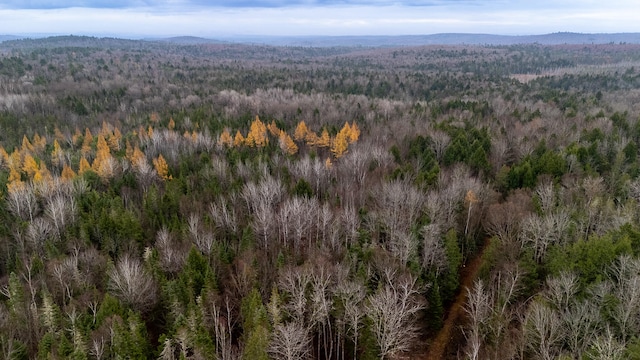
{"x":434,"y":256}
{"x":290,"y":342}
{"x":543,"y":330}
{"x":22,"y":202}
{"x":392,"y":311}
{"x":478,"y":308}
{"x":352,"y":294}
{"x":131,"y":283}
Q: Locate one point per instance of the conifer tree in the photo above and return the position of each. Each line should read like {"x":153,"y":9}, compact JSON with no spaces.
{"x":287,"y":145}
{"x":238,"y":140}
{"x":162,"y":168}
{"x":324,"y":140}
{"x":225,"y":139}
{"x":301,"y":131}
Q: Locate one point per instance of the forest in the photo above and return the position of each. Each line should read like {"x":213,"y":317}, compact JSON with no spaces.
{"x":166,"y":200}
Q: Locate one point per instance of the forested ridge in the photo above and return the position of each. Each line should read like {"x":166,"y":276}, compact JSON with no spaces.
{"x":228,"y":201}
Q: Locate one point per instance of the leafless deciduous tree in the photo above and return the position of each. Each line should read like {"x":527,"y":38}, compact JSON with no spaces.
{"x":392,"y":311}
{"x":131,"y":283}
{"x":478,"y":308}
{"x":22,"y":202}
{"x":434,"y":256}
{"x":543,"y":330}
{"x":290,"y":341}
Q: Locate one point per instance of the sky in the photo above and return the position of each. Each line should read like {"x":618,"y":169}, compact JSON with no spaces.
{"x":224,"y":18}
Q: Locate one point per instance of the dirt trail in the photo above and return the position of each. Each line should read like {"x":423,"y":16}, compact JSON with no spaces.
{"x":438,"y":348}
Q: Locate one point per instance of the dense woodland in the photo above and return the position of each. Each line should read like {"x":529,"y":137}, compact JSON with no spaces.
{"x":223,"y":201}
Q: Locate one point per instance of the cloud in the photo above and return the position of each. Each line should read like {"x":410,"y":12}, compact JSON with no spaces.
{"x":317,"y":17}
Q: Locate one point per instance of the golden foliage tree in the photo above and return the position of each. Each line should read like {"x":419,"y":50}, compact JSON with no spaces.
{"x":354,"y":132}
{"x":340,"y":143}
{"x":30,"y":166}
{"x":225,"y":139}
{"x":162,"y":168}
{"x":324,"y":140}
{"x":301,"y":131}
{"x":273,"y":129}
{"x":238,"y":140}
{"x":27,"y":147}
{"x":86,"y":143}
{"x":68,"y":173}
{"x":39,"y":142}
{"x":257,"y":135}
{"x":287,"y":145}
{"x":57,"y":154}
{"x":84,"y":166}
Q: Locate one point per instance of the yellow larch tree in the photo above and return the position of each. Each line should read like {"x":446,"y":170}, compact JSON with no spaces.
{"x":225,"y":139}
{"x":137,"y":157}
{"x":76,"y":137}
{"x":301,"y":131}
{"x":324,"y":140}
{"x":354,"y":132}
{"x":172,"y":124}
{"x":328,"y":164}
{"x":238,"y":140}
{"x":287,"y":145}
{"x":15,"y":181}
{"x":162,"y":168}
{"x":27,"y":147}
{"x":103,"y":163}
{"x":39,"y":142}
{"x":311,"y":138}
{"x":340,"y":143}
{"x":273,"y":129}
{"x":58,"y":135}
{"x":87,"y":143}
{"x":68,"y":173}
{"x":4,"y":157}
{"x":154,"y":117}
{"x":149,"y":131}
{"x":114,"y":139}
{"x":30,"y":166}
{"x":15,"y":160}
{"x":57,"y":154}
{"x":257,"y":134}
{"x":83,"y":166}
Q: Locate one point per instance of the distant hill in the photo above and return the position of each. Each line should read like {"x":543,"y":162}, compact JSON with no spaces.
{"x":188,"y":40}
{"x":8,"y":38}
{"x":10,"y":41}
{"x":443,"y":39}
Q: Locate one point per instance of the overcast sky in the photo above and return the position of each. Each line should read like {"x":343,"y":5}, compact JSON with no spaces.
{"x":211,"y":18}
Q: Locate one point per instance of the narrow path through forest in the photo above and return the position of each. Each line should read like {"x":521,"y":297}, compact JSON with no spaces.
{"x":456,"y":312}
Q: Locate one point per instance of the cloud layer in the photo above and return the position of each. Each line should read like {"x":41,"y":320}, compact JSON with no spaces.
{"x":314,"y":17}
